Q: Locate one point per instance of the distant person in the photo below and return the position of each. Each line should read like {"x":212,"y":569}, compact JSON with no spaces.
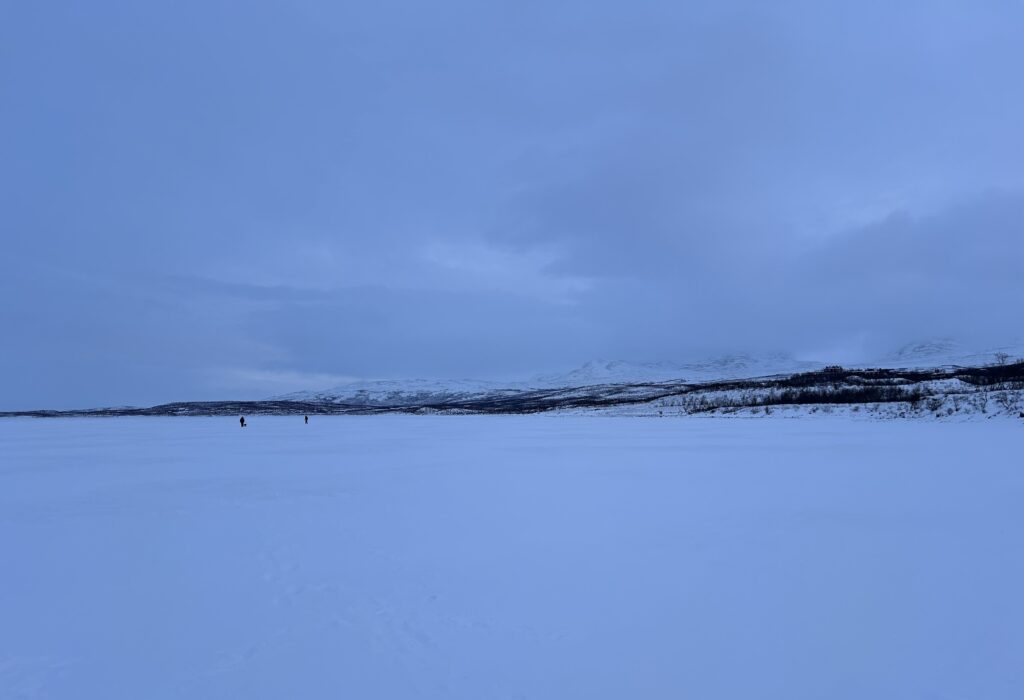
{"x":307,"y":420}
{"x":241,"y":421}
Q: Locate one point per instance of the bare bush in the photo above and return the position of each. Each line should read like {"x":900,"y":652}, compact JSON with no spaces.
{"x":1007,"y":400}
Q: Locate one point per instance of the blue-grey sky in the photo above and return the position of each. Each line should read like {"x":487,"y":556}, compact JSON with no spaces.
{"x":235,"y":199}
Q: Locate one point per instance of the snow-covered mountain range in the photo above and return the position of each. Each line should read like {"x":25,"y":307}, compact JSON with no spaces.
{"x":935,"y":379}
{"x":395,"y":392}
{"x":594,"y":373}
{"x":945,"y":352}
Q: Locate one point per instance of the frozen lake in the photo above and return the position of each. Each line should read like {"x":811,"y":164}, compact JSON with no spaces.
{"x":511,"y":557}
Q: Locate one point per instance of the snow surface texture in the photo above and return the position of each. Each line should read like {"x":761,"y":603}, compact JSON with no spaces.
{"x":510,"y":557}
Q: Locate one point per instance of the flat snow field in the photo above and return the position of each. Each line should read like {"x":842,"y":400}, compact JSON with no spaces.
{"x":511,"y":557}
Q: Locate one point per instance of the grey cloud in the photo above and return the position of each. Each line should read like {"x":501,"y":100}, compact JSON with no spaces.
{"x":312,"y":189}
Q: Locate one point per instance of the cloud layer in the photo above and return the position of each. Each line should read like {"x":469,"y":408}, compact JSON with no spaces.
{"x":204,"y":201}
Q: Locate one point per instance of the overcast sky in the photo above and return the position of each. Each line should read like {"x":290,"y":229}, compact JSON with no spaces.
{"x":206,"y":199}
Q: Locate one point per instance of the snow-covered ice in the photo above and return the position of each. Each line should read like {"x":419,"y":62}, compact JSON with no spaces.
{"x":511,"y":557}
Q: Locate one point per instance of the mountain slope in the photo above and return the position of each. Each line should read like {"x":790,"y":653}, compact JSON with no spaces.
{"x":396,"y":392}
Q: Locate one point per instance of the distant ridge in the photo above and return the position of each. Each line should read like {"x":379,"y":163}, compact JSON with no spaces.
{"x":990,"y":389}
{"x":395,"y":392}
{"x":399,"y":392}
